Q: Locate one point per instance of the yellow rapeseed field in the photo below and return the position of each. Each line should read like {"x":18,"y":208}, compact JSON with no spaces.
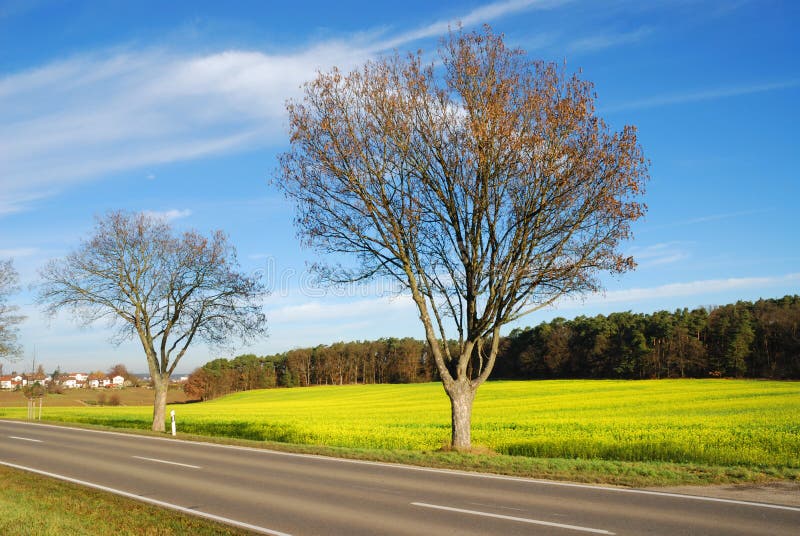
{"x":714,"y":422}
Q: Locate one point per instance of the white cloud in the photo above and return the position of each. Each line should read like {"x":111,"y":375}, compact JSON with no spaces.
{"x":61,"y":341}
{"x":701,"y":95}
{"x":710,"y":218}
{"x":101,"y":113}
{"x":479,"y":15}
{"x":322,"y":322}
{"x":691,"y":288}
{"x":12,"y":202}
{"x":16,"y":253}
{"x":169,"y":215}
{"x":85,"y":117}
{"x":608,"y":40}
{"x":658,"y":254}
{"x":315,"y":312}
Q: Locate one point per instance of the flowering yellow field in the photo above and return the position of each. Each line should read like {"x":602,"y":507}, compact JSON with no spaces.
{"x":715,"y":422}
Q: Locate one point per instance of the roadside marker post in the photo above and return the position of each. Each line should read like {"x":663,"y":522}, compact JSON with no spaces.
{"x":172,"y":414}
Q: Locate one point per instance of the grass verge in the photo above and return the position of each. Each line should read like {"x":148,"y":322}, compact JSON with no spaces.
{"x":34,"y":504}
{"x":616,"y":473}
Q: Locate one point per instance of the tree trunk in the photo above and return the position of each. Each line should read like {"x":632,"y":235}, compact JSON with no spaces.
{"x":161,"y":385}
{"x":461,"y":394}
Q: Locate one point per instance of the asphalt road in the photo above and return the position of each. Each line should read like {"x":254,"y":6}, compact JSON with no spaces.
{"x":280,"y":493}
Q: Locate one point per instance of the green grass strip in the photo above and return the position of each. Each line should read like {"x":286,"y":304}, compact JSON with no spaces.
{"x":32,"y":504}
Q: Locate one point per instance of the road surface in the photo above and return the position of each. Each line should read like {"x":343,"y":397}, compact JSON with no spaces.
{"x":281,"y":493}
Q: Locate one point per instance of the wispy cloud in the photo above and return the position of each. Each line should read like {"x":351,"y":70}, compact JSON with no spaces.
{"x":315,"y":312}
{"x":691,"y":288}
{"x":60,"y":340}
{"x":106,"y":112}
{"x":607,"y":40}
{"x":711,"y":217}
{"x":701,"y":95}
{"x":17,"y":199}
{"x":479,"y":15}
{"x":89,"y":116}
{"x":321,"y":322}
{"x":659,"y":254}
{"x":169,"y":215}
{"x":17,"y":252}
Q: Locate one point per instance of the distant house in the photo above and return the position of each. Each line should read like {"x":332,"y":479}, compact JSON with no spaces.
{"x":98,"y":382}
{"x":73,"y":380}
{"x":7,"y":382}
{"x":18,"y":381}
{"x":35,"y":378}
{"x":118,"y":381}
{"x":69,"y":382}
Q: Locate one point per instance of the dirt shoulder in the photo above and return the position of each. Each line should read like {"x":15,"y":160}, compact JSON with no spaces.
{"x":784,"y":493}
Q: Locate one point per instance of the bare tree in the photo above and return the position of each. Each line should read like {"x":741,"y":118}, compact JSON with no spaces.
{"x":485,"y":185}
{"x":162,"y":288}
{"x":9,"y":319}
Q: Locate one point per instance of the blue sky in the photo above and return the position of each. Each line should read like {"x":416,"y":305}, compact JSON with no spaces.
{"x":178,"y":109}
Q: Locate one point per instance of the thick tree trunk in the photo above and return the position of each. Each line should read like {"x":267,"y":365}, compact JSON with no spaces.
{"x":461,"y":394}
{"x":161,"y":385}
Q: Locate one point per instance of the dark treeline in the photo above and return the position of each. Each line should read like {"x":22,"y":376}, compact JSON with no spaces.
{"x":383,"y":361}
{"x":753,"y":340}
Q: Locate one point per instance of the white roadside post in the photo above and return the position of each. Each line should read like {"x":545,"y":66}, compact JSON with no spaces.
{"x":172,"y":414}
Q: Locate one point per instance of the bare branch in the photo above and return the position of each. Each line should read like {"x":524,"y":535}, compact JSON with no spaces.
{"x":9,"y":319}
{"x":164,"y":289}
{"x":487,"y":187}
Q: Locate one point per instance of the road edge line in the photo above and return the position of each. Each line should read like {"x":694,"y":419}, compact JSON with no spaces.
{"x":514,"y":518}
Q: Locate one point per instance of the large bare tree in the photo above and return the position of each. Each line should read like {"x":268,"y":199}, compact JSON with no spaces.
{"x":485,"y":184}
{"x":160,"y":287}
{"x":9,"y":319}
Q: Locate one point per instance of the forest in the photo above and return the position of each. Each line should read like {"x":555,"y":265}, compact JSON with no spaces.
{"x":742,"y":340}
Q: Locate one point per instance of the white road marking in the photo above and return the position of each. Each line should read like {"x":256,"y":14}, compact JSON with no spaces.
{"x":190,"y":511}
{"x":497,"y":506}
{"x":25,"y":439}
{"x":455,"y":472}
{"x":513,"y":518}
{"x":165,"y":461}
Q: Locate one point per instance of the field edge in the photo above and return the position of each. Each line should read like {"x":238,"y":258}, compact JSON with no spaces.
{"x":651,"y":474}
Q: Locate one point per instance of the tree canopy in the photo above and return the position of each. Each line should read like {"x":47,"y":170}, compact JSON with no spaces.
{"x":487,"y":187}
{"x":162,"y":288}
